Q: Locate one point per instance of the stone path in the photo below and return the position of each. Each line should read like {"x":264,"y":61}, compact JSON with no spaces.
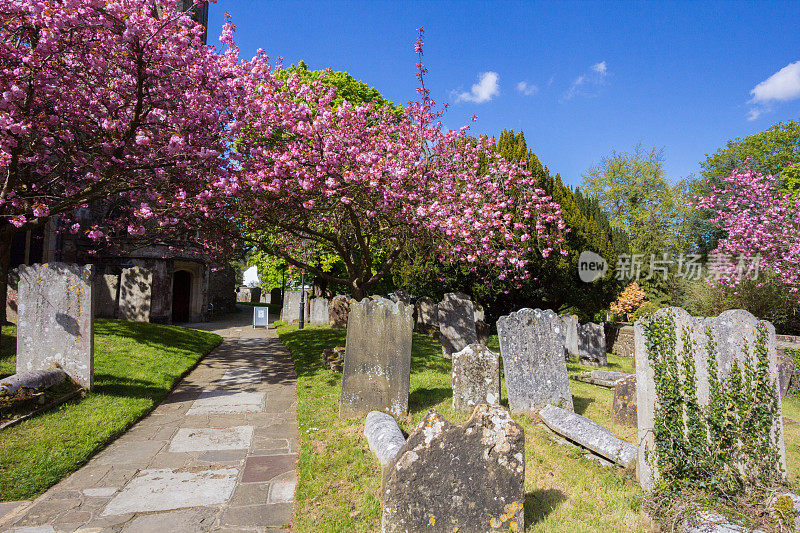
{"x":218,"y":454}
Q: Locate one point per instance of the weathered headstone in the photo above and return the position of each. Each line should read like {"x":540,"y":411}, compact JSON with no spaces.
{"x":570,"y":335}
{"x":266,"y":297}
{"x":592,"y":344}
{"x":55,"y":324}
{"x":427,"y":315}
{"x":291,"y":307}
{"x":106,"y":295}
{"x":482,"y":332}
{"x":319,"y":312}
{"x":243,"y":295}
{"x":456,"y":323}
{"x":401,"y":295}
{"x":12,"y":296}
{"x":338,"y":311}
{"x":623,"y":407}
{"x":532,"y":347}
{"x":735,"y":336}
{"x":476,"y":378}
{"x":135,"y":294}
{"x":480,"y":313}
{"x":377,"y":362}
{"x":786,"y":373}
{"x":458,"y":478}
{"x":589,"y":434}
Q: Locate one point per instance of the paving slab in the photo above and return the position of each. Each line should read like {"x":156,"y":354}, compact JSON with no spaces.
{"x":218,"y":454}
{"x":227,"y":401}
{"x":163,"y":489}
{"x":240,"y":376}
{"x":205,"y":439}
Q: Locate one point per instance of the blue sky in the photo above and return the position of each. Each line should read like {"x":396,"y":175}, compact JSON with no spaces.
{"x":579,"y":78}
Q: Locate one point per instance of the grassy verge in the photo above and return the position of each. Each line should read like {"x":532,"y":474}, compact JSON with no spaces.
{"x":136,"y":365}
{"x":339,"y":481}
{"x":8,"y":350}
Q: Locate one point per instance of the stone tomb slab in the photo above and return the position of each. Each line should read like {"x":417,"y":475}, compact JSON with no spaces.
{"x":212,"y":402}
{"x":206,"y":439}
{"x":164,"y":489}
{"x":240,"y":376}
{"x":262,"y":468}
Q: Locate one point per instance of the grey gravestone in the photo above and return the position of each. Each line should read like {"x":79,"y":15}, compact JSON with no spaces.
{"x":260,"y":316}
{"x":338,"y":311}
{"x":734,"y":333}
{"x":623,"y":407}
{"x":480,"y":313}
{"x":266,"y":297}
{"x":291,"y":307}
{"x":11,"y":296}
{"x":570,"y":335}
{"x":482,"y":331}
{"x":401,"y":295}
{"x":458,"y":478}
{"x":55,"y":324}
{"x":532,"y":347}
{"x":383,"y":436}
{"x":592,"y":344}
{"x":319,"y":312}
{"x":427,"y":315}
{"x":456,"y":323}
{"x":243,"y":295}
{"x":589,"y":434}
{"x":135,"y":294}
{"x":786,"y":373}
{"x":106,"y":295}
{"x":377,"y":361}
{"x":476,"y":378}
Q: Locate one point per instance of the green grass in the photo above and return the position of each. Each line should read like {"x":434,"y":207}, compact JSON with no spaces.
{"x":136,"y":365}
{"x":338,"y":487}
{"x":8,"y":350}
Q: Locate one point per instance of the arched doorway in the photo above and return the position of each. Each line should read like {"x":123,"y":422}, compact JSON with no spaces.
{"x":181,"y":296}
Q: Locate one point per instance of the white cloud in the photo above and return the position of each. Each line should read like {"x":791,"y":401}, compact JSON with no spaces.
{"x":483,"y":91}
{"x":587,"y":83}
{"x":782,"y":86}
{"x":527,"y":89}
{"x":600,"y":67}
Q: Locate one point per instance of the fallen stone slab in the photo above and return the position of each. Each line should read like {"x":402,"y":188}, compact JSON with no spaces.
{"x":603,"y":378}
{"x":383,"y":436}
{"x":712,"y":522}
{"x":31,"y":381}
{"x":589,"y":434}
{"x":458,"y":478}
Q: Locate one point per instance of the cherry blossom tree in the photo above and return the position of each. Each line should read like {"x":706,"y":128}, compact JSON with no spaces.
{"x":360,"y":183}
{"x":759,"y":220}
{"x":114,"y":101}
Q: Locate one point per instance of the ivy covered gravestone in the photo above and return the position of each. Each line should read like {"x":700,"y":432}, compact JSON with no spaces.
{"x":709,"y":411}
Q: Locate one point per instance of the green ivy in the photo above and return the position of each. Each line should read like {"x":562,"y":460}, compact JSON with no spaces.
{"x":726,"y":446}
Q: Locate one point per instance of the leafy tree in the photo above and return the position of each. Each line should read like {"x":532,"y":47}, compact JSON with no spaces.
{"x":637,"y":198}
{"x":631,"y":299}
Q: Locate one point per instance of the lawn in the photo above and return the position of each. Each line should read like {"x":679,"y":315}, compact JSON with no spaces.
{"x":136,"y":365}
{"x":339,"y":481}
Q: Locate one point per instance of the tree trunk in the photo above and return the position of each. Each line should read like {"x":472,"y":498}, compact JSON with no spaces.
{"x":5,"y":260}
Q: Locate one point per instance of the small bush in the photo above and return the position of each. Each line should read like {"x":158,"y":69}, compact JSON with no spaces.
{"x":647,"y":309}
